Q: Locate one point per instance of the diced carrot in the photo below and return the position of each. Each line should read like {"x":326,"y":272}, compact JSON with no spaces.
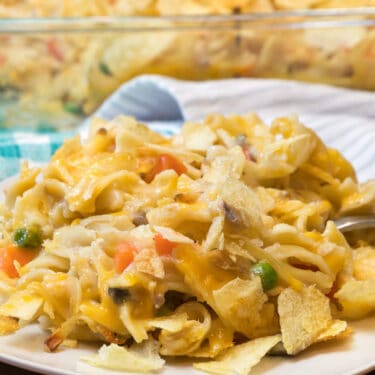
{"x":162,"y":245}
{"x":164,"y":163}
{"x":370,"y":53}
{"x":3,"y":59}
{"x":54,"y":50}
{"x":124,"y":256}
{"x":12,"y":253}
{"x":170,"y":162}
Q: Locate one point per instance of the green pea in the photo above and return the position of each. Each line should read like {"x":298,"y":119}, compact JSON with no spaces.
{"x":104,"y":68}
{"x":73,"y":107}
{"x":266,"y":273}
{"x":27,"y":238}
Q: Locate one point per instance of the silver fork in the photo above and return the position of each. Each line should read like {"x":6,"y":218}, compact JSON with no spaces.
{"x":349,"y":223}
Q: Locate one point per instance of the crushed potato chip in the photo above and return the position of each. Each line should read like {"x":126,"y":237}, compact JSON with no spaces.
{"x":303,"y":317}
{"x":140,"y":357}
{"x":241,"y":304}
{"x":240,"y":359}
{"x":149,"y":262}
{"x":296,"y":4}
{"x":242,"y":205}
{"x":336,"y":329}
{"x":357,"y":298}
{"x":364,"y":263}
{"x":8,"y":325}
{"x":197,"y":137}
{"x":22,"y":306}
{"x":215,"y":235}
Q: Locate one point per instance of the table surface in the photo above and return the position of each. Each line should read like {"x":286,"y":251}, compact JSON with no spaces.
{"x":10,"y":370}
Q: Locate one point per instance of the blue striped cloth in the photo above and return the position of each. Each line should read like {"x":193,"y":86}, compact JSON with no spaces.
{"x":345,"y":119}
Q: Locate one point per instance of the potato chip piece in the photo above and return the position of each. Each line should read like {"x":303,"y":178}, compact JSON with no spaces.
{"x":129,"y":54}
{"x":215,"y":235}
{"x":364,"y":263}
{"x":197,"y":137}
{"x":139,"y":358}
{"x":22,"y":305}
{"x":296,"y":4}
{"x":259,"y":6}
{"x":224,"y":164}
{"x":139,"y":7}
{"x":242,"y":205}
{"x":239,"y":359}
{"x":174,"y":7}
{"x":357,"y":298}
{"x":336,"y":329}
{"x":241,"y":304}
{"x":8,"y":325}
{"x":361,"y":202}
{"x":148,"y":261}
{"x":192,"y":137}
{"x":130,"y":134}
{"x":346,"y":3}
{"x":303,"y":317}
{"x":330,"y":41}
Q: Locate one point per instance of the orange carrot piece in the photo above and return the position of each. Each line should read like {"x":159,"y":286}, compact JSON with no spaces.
{"x":124,"y":256}
{"x":164,"y":163}
{"x":54,"y":49}
{"x":12,"y":253}
{"x":162,"y":245}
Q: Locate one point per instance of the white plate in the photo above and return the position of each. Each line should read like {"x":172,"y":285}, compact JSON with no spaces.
{"x":352,"y":356}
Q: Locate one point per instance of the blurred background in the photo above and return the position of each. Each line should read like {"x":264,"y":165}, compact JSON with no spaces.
{"x":60,"y":59}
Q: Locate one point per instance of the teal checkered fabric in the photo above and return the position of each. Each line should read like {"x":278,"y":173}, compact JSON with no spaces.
{"x":37,"y":146}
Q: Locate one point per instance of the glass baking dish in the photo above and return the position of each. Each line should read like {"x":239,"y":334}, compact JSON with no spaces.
{"x":54,"y":72}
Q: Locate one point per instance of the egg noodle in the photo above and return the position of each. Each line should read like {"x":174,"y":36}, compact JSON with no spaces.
{"x":217,"y":244}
